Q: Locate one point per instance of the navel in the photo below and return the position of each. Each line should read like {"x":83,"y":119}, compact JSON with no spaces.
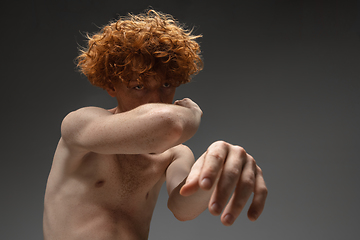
{"x":147,"y":195}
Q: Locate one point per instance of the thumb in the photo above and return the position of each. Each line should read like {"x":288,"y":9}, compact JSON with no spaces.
{"x":192,"y":181}
{"x":190,"y":187}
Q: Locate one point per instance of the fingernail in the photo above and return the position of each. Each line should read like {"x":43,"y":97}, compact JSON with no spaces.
{"x":215,"y":207}
{"x":253,"y":216}
{"x":229,"y":219}
{"x":206,"y":183}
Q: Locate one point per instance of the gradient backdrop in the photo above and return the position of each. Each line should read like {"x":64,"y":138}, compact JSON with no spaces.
{"x":281,"y":79}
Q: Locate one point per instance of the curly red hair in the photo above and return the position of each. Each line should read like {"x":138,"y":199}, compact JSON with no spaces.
{"x":137,"y":46}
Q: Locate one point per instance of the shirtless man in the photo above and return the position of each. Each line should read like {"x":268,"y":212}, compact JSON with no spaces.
{"x":109,"y":165}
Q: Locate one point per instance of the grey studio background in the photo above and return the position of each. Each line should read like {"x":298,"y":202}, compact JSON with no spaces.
{"x":281,"y":79}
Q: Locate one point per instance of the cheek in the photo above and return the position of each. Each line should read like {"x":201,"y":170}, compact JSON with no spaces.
{"x":172,"y":95}
{"x":130,"y":103}
{"x":170,"y":92}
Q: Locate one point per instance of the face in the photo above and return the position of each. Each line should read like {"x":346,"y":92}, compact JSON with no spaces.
{"x":135,"y":94}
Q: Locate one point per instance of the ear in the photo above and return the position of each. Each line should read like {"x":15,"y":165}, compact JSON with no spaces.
{"x":111,"y":90}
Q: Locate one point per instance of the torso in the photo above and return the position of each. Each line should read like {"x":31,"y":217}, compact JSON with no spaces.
{"x":98,"y":197}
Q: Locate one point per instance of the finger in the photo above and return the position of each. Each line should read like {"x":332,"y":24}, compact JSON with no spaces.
{"x":213,"y":162}
{"x":242,"y":192}
{"x":229,"y":178}
{"x":192,"y":181}
{"x":260,"y":194}
{"x":189,"y":188}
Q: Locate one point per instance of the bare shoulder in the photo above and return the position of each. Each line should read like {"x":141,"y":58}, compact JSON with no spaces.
{"x":78,"y":119}
{"x":83,"y":114}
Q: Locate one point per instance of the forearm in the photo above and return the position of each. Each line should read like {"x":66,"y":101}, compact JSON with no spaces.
{"x":150,"y":128}
{"x":188,"y":120}
{"x":170,"y":124}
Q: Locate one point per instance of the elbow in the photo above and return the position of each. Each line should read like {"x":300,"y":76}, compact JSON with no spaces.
{"x":183,"y":215}
{"x":180,"y":213}
{"x":183,"y":218}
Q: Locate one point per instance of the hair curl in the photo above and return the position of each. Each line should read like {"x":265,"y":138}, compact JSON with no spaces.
{"x":137,"y":46}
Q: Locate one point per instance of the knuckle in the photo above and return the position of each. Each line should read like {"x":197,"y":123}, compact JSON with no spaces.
{"x":248,"y":182}
{"x":252,"y":161}
{"x":238,"y":205}
{"x":238,"y":148}
{"x":216,"y":155}
{"x":232,"y":174}
{"x":263,"y":192}
{"x":243,"y":153}
{"x":234,"y":171}
{"x":220,"y":143}
{"x":240,"y":151}
{"x":211,"y":171}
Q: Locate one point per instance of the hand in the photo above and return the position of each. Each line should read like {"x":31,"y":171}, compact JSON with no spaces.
{"x":224,"y":168}
{"x":188,"y":103}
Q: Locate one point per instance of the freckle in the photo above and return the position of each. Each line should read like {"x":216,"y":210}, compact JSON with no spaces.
{"x":99,"y":183}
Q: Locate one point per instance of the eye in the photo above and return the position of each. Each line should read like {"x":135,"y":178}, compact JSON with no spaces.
{"x":166,"y":85}
{"x":139,"y":87}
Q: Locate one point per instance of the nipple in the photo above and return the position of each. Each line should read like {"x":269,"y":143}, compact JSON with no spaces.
{"x":99,"y":183}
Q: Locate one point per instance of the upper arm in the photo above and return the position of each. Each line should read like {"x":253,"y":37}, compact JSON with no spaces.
{"x":133,"y":132}
{"x":178,"y":170}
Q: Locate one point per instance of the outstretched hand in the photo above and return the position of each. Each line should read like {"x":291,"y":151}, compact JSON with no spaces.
{"x":228,"y":169}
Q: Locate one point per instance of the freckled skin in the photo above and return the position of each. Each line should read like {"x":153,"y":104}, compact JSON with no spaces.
{"x":109,"y":166}
{"x":114,"y":196}
{"x":107,"y":196}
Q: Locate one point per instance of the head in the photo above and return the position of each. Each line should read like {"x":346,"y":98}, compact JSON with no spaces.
{"x":140,"y":51}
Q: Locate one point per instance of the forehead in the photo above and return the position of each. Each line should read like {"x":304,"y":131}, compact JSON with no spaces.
{"x":148,"y":81}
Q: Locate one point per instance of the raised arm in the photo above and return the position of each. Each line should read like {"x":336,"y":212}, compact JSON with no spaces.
{"x":149,"y":128}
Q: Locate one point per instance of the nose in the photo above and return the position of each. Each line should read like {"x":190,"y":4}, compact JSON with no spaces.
{"x":155,"y":97}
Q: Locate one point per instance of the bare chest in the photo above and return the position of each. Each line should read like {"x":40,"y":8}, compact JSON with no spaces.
{"x":105,"y":193}
{"x":128,"y":176}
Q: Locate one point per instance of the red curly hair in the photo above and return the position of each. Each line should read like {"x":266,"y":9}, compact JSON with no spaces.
{"x":137,"y":46}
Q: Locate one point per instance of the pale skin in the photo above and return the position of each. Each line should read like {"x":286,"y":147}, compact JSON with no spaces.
{"x":109,"y":167}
